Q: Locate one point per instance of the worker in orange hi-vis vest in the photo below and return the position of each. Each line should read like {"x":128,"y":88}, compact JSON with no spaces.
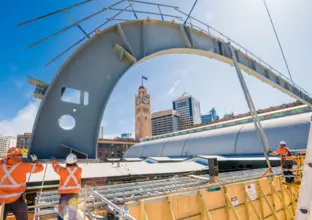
{"x":287,"y":165}
{"x":69,"y":187}
{"x":13,"y":173}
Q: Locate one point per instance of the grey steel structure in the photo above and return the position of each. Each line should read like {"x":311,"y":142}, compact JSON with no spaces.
{"x":95,"y":68}
{"x":236,"y":140}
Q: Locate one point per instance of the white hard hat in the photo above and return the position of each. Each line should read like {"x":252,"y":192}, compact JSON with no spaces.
{"x":71,"y":159}
{"x":282,"y":143}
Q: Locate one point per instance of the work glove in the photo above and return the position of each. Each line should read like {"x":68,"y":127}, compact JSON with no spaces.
{"x":33,"y":157}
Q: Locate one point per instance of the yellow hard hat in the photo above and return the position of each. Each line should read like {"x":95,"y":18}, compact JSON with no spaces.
{"x":14,"y":151}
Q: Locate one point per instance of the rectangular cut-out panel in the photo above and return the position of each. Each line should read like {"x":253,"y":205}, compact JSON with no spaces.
{"x":70,"y":95}
{"x":74,"y":96}
{"x":85,"y":98}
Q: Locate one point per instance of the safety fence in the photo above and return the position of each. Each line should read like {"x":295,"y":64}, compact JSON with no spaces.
{"x":256,"y":199}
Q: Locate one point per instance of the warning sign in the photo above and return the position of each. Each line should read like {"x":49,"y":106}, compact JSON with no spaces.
{"x":251,"y":191}
{"x":234,"y":201}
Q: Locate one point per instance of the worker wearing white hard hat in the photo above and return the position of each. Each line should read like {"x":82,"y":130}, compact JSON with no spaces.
{"x":286,"y":164}
{"x":282,"y":150}
{"x":69,"y":187}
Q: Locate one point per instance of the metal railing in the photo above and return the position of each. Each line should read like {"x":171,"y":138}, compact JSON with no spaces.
{"x":220,"y":36}
{"x":130,"y":9}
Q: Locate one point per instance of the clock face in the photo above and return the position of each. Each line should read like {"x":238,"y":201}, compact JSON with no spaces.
{"x":138,"y":100}
{"x":145,"y":100}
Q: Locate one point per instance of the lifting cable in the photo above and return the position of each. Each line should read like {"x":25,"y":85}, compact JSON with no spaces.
{"x":279,"y":43}
{"x":190,"y":12}
{"x":135,"y":15}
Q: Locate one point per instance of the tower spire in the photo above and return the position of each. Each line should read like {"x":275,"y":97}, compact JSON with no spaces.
{"x":143,"y":77}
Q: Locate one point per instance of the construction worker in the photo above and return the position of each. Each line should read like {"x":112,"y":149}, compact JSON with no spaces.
{"x":69,"y":187}
{"x":13,"y":182}
{"x":286,"y":164}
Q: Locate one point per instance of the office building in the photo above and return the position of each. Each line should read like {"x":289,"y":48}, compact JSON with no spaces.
{"x":211,"y":116}
{"x":5,"y":143}
{"x":126,"y":135}
{"x":164,"y":122}
{"x":23,"y":140}
{"x":188,"y":109}
{"x":113,"y":148}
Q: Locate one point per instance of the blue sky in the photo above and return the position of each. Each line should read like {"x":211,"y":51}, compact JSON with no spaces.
{"x":213,"y":83}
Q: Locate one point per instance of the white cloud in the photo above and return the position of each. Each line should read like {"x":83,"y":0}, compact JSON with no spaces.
{"x":171,"y":90}
{"x":19,"y":83}
{"x":208,"y":16}
{"x":22,"y":122}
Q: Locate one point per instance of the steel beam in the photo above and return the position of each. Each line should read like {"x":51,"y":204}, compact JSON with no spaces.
{"x":96,"y":69}
{"x":252,"y":109}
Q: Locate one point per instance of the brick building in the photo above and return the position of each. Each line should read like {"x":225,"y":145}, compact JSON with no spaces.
{"x":113,"y":148}
{"x":23,"y":140}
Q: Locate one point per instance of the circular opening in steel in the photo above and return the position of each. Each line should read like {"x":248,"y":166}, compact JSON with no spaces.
{"x":67,"y":122}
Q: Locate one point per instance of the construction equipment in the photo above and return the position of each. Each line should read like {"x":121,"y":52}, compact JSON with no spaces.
{"x":297,"y":170}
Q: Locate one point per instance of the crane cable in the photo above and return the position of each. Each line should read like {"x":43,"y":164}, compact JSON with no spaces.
{"x":279,"y":43}
{"x":190,"y":12}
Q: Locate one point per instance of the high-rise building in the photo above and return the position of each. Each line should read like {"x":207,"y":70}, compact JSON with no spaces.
{"x":143,"y":124}
{"x":5,"y":143}
{"x":126,"y":135}
{"x":206,"y":118}
{"x":164,"y":122}
{"x":188,"y":109}
{"x":23,"y":140}
{"x":211,"y":116}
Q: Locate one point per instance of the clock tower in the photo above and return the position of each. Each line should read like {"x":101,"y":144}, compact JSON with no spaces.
{"x":143,"y":122}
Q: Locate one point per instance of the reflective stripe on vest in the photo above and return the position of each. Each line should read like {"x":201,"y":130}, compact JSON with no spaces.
{"x":70,"y":176}
{"x":7,"y":174}
{"x":7,"y":196}
{"x":33,"y":168}
{"x":54,"y":165}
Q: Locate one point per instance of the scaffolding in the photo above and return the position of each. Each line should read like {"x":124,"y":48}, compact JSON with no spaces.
{"x":91,"y":197}
{"x":257,"y":199}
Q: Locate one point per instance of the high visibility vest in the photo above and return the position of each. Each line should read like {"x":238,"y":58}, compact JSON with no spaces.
{"x":25,"y":152}
{"x":70,"y":179}
{"x":72,"y":176}
{"x":13,"y":186}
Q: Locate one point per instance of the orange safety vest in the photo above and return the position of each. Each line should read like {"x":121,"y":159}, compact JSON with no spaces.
{"x":284,"y":152}
{"x":70,"y":178}
{"x":13,"y":178}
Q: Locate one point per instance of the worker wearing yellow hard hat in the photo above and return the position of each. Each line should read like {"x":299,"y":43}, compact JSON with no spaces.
{"x":13,"y":173}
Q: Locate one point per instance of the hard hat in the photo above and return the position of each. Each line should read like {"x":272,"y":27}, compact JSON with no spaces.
{"x":14,"y":151}
{"x":282,"y":143}
{"x":71,"y":159}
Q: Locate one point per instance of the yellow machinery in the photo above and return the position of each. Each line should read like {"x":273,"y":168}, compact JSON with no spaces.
{"x":298,"y":161}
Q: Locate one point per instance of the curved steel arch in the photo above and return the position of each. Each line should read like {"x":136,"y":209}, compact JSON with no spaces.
{"x":99,"y":63}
